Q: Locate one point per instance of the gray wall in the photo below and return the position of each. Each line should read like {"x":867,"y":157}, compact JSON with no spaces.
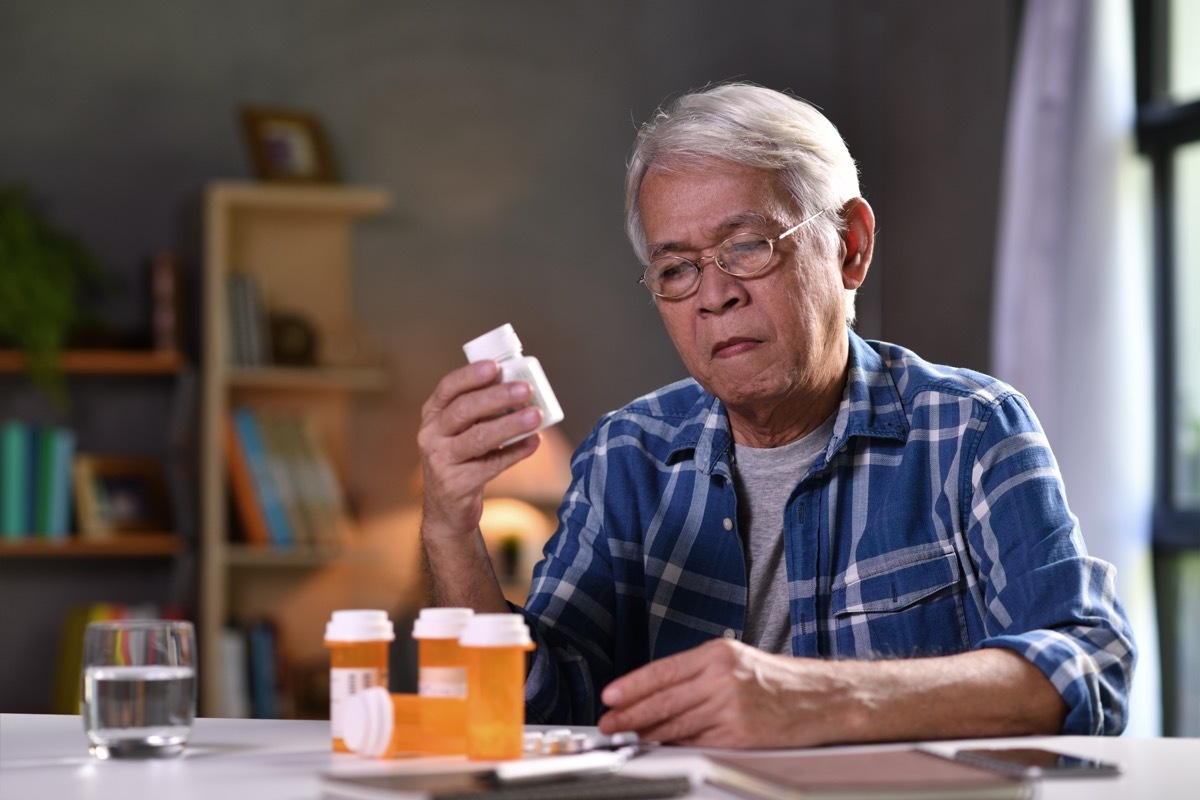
{"x":502,"y":129}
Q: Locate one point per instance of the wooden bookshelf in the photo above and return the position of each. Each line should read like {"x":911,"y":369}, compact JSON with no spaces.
{"x":270,"y":557}
{"x":296,"y":244}
{"x":332,"y":378}
{"x":100,"y":363}
{"x":104,"y":362}
{"x":125,"y":545}
{"x":46,"y":579}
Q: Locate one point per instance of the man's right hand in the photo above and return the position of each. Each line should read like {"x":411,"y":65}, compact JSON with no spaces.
{"x":463,"y":425}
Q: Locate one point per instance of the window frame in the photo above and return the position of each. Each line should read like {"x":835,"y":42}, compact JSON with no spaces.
{"x":1163,"y":126}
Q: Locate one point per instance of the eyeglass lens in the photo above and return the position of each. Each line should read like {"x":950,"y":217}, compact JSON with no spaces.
{"x":743,"y":254}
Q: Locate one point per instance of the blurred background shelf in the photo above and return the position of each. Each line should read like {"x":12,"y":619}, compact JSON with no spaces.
{"x":122,"y":403}
{"x":259,"y":238}
{"x":126,"y":545}
{"x":255,"y":557}
{"x":314,"y":378}
{"x":105,"y":362}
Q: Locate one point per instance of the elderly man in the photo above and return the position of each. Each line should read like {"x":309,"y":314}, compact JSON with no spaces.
{"x":814,"y":539}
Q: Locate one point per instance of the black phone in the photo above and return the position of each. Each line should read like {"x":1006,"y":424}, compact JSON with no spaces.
{"x":1035,"y":762}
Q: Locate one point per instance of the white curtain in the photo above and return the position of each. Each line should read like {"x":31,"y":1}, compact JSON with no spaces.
{"x":1071,"y":325}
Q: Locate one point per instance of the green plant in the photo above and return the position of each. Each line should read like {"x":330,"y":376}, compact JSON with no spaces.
{"x":43,"y":274}
{"x":510,"y":548}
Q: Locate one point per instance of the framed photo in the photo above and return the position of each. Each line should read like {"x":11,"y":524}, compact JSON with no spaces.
{"x":118,"y":495}
{"x":287,"y":145}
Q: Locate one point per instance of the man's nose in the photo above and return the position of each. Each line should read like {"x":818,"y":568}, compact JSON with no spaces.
{"x":718,"y":289}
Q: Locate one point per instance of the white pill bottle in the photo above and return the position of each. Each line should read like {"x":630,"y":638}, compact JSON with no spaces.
{"x":504,"y":347}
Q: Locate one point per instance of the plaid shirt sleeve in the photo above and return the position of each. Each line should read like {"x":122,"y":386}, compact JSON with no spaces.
{"x":1045,"y":597}
{"x":570,"y":609}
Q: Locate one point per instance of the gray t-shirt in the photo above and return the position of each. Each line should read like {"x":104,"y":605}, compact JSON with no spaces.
{"x":764,"y":478}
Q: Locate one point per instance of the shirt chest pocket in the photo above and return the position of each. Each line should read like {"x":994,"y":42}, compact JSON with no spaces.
{"x":906,"y":607}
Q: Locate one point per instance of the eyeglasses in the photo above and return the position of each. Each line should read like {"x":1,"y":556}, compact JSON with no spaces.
{"x":741,"y":256}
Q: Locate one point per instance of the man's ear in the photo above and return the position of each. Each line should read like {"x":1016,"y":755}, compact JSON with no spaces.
{"x":859,"y":240}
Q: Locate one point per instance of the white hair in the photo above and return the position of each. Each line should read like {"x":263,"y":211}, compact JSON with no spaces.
{"x":756,"y":127}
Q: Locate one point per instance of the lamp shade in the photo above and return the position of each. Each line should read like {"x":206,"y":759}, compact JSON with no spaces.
{"x":541,"y":479}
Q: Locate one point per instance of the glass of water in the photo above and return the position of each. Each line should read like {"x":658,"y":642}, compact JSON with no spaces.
{"x":139,"y":687}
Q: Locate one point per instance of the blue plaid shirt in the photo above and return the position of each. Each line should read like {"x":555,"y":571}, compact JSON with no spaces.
{"x":935,"y":522}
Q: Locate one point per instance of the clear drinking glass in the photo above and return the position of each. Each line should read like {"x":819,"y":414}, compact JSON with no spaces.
{"x":139,"y":687}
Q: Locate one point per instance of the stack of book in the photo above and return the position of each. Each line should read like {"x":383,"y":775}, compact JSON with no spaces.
{"x":255,"y":672}
{"x":35,"y":480}
{"x":283,"y":484}
{"x":248,"y":331}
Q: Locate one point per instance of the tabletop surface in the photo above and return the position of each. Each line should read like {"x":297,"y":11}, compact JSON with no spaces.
{"x":45,"y":756}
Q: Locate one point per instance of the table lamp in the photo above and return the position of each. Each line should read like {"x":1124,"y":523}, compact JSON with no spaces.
{"x":518,"y":511}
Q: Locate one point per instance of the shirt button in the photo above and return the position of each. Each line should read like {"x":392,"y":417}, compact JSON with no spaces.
{"x":728,"y":523}
{"x":730,"y":633}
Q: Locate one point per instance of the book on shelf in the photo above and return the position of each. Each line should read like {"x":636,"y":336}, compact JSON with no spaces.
{"x":55,"y":497}
{"x":264,"y":666}
{"x":328,"y":492}
{"x":14,"y":480}
{"x":246,"y":321}
{"x":235,"y":673}
{"x":235,"y":347}
{"x":320,"y":497}
{"x":35,"y":480}
{"x":266,"y":491}
{"x":255,"y":671}
{"x":62,"y":497}
{"x":281,"y":461}
{"x":907,"y":773}
{"x":42,"y":475}
{"x":244,"y":493}
{"x":284,"y":487}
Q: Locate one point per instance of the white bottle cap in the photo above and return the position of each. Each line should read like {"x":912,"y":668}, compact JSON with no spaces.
{"x":359,"y":625}
{"x":496,"y":630}
{"x":367,"y":721}
{"x":493,"y":345}
{"x":441,"y":623}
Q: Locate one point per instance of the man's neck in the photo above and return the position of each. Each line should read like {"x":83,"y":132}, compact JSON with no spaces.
{"x":791,"y":417}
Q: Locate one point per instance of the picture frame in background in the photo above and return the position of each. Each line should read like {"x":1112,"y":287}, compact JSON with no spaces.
{"x":287,"y":145}
{"x":116,"y":494}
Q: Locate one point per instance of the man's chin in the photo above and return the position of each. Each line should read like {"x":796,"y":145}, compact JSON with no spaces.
{"x":740,"y":388}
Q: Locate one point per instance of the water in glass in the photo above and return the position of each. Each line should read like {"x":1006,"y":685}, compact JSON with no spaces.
{"x":138,"y":710}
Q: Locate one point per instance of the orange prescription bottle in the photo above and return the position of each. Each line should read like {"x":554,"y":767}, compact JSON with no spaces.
{"x":441,"y":668}
{"x":358,"y":642}
{"x":442,"y":673}
{"x":495,"y":646}
{"x":382,"y":725}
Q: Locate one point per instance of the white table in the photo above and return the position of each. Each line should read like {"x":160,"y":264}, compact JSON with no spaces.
{"x":44,"y":757}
